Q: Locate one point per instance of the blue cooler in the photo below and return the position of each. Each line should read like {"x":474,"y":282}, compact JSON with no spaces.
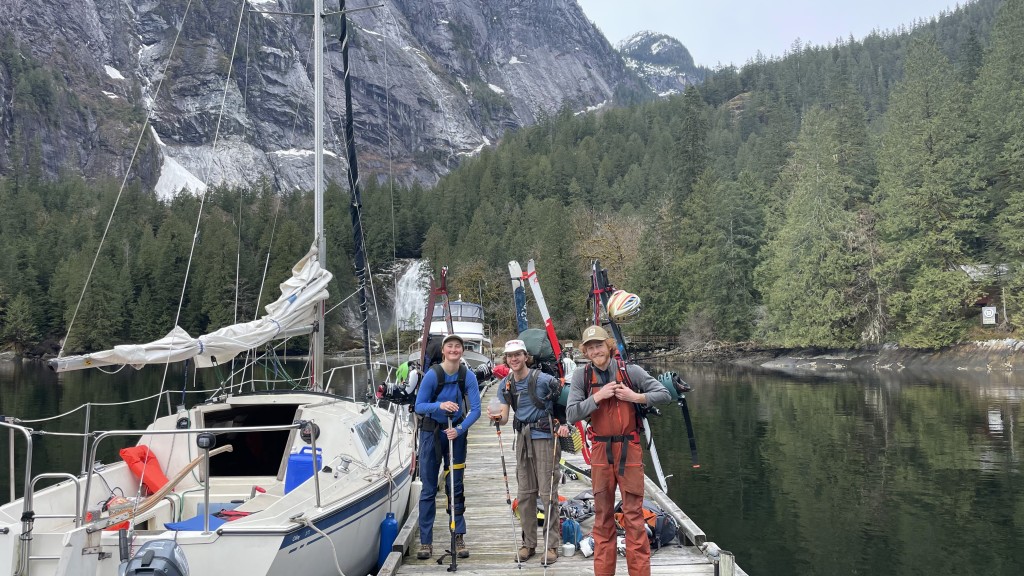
{"x":301,"y":467}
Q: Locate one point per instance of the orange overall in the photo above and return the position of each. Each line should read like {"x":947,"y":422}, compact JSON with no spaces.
{"x":614,"y":425}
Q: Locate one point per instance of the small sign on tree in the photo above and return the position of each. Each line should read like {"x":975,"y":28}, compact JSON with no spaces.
{"x":988,"y":315}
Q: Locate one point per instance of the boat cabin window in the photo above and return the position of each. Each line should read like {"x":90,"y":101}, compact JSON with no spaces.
{"x":253,"y":453}
{"x":461,"y":312}
{"x":371,"y":435}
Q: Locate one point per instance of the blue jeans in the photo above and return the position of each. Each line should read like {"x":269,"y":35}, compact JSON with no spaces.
{"x":430,"y":466}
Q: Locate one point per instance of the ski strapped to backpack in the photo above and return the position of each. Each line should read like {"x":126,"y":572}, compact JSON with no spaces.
{"x":531,"y":277}
{"x":602,"y":290}
{"x":515,"y":273}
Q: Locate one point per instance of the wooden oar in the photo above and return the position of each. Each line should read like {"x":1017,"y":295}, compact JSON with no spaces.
{"x":155,"y":498}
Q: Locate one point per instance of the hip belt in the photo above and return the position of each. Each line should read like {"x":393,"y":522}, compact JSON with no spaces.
{"x":622,"y":453}
{"x":541,"y":425}
{"x":428,"y":424}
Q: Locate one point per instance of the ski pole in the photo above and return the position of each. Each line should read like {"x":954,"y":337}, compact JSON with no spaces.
{"x":681,"y":389}
{"x":662,"y":480}
{"x":454,"y":566}
{"x":508,"y":495}
{"x":549,"y":513}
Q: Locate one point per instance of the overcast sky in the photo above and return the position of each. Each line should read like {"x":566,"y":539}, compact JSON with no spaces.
{"x":733,"y":32}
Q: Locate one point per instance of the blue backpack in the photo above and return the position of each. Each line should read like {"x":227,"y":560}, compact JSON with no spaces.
{"x":572,"y":533}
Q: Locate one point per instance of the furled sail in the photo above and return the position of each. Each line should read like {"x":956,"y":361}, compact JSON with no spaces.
{"x":290,"y":315}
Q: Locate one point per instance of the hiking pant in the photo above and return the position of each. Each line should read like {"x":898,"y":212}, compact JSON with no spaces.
{"x":434,"y":451}
{"x":536,"y":474}
{"x":631,"y":486}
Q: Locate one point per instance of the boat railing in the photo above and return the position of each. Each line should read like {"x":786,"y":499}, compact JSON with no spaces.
{"x":26,"y":516}
{"x":199,"y":433}
{"x":81,"y":500}
{"x":87,"y":431}
{"x":78,"y":494}
{"x":329,"y":374}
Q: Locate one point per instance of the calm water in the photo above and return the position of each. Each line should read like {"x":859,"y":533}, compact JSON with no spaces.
{"x":883,"y":475}
{"x":892,"y":474}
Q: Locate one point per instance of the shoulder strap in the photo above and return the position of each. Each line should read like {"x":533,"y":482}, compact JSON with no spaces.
{"x":462,"y":382}
{"x":440,"y":375}
{"x":624,"y":376}
{"x":624,"y":373}
{"x":507,"y":391}
{"x":531,"y":386}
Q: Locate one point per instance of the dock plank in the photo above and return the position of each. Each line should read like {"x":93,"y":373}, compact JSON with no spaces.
{"x":493,"y":539}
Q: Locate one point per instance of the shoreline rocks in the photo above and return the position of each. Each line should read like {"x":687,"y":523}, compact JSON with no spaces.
{"x":1005,"y":355}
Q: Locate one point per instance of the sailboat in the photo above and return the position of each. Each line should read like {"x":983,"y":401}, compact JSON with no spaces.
{"x":293,"y":482}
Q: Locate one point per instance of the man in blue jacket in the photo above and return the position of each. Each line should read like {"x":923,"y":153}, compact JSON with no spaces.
{"x":448,"y":391}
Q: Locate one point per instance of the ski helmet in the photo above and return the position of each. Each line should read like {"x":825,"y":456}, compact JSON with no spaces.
{"x":623,"y":306}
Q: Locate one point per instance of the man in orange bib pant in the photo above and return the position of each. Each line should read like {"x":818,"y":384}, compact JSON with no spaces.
{"x":608,"y":392}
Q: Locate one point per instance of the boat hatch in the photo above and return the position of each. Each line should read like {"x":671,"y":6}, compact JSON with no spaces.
{"x":254,"y":453}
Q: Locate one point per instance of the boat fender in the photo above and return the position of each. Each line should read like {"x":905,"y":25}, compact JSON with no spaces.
{"x":388,"y":533}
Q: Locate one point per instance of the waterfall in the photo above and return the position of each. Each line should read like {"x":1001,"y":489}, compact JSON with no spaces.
{"x":411,"y":297}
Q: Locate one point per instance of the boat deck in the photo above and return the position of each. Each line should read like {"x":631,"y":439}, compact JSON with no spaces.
{"x":490,"y":533}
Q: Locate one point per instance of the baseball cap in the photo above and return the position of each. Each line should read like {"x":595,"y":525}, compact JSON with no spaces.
{"x":593,"y":334}
{"x":514,"y":346}
{"x":453,"y":337}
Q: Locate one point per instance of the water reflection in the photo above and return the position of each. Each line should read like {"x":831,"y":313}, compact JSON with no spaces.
{"x":894,"y":473}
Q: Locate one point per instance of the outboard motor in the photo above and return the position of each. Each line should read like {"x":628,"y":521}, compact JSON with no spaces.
{"x":156,"y":558}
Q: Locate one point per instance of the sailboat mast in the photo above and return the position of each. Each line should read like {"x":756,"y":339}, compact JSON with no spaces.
{"x":356,"y":206}
{"x":317,"y":338}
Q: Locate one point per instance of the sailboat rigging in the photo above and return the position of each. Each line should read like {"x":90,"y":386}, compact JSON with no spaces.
{"x":305,"y":476}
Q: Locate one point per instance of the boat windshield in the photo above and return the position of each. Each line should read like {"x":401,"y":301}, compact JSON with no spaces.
{"x":461,"y":312}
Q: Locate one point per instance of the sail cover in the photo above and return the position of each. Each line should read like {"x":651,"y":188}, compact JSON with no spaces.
{"x":290,"y":315}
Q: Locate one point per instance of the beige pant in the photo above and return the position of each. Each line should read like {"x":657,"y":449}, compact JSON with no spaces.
{"x":538,"y":473}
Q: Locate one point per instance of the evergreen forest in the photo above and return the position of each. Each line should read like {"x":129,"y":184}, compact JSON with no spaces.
{"x":857,"y":194}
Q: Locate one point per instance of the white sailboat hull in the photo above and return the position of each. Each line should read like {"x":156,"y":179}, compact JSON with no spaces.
{"x":280,"y":531}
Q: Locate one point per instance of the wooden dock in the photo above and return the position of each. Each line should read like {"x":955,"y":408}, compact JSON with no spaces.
{"x":490,"y":530}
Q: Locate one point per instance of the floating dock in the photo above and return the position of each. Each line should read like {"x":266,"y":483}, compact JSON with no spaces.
{"x":490,"y":531}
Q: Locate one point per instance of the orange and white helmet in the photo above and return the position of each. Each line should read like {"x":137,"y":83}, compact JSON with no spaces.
{"x":623,"y":306}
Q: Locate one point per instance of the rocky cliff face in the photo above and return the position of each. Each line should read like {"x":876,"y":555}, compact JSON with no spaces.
{"x":433,"y":81}
{"x":661,"y":61}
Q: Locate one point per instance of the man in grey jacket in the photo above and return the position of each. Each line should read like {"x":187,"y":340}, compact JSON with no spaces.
{"x":609,"y":392}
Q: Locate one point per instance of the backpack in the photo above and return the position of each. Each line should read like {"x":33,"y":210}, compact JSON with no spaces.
{"x":531,"y":387}
{"x":661,"y":527}
{"x":537,"y":344}
{"x":572,"y":532}
{"x":558,"y":410}
{"x":434,"y":354}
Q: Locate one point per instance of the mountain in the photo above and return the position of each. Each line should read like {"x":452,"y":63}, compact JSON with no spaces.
{"x":661,"y":61}
{"x":433,"y":81}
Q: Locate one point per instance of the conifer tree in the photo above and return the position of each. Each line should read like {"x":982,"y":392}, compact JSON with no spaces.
{"x":926,"y":207}
{"x":810,"y":267}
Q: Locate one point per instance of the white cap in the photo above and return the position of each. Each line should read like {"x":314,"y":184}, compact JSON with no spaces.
{"x":514,"y":346}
